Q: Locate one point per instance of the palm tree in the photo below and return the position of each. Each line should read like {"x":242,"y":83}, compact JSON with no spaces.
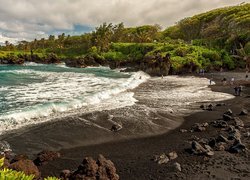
{"x":241,"y":54}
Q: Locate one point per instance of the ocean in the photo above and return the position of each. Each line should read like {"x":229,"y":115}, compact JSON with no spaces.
{"x":34,"y":93}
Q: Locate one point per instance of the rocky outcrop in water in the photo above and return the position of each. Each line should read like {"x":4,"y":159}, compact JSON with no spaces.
{"x":86,"y":61}
{"x":154,"y":65}
{"x":11,"y":59}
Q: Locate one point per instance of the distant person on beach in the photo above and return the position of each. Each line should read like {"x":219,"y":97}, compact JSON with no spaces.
{"x":236,"y":90}
{"x":203,"y":72}
{"x":140,"y":77}
{"x":239,"y":90}
{"x":232,"y":81}
{"x":210,"y":81}
{"x":224,"y":81}
{"x":246,"y":77}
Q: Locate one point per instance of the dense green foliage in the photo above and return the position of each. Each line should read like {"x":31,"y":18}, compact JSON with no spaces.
{"x":181,"y":53}
{"x":220,"y":28}
{"x":218,"y":38}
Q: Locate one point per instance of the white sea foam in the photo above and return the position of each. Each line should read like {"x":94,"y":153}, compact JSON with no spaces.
{"x":186,"y":91}
{"x":32,"y":64}
{"x":65,"y":93}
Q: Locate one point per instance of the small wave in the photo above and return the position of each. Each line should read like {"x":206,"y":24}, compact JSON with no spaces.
{"x":33,"y":64}
{"x":67,"y":94}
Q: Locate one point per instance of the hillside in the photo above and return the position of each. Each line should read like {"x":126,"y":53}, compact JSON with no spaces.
{"x":221,"y":28}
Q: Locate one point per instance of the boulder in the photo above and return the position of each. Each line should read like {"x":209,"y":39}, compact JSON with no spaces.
{"x":106,"y":169}
{"x":65,"y":174}
{"x":172,"y":155}
{"x":209,"y":153}
{"x":234,"y":135}
{"x":202,"y":106}
{"x":220,"y":104}
{"x":210,"y":107}
{"x":237,"y":147}
{"x":229,"y":112}
{"x":238,"y":123}
{"x":116,"y":127}
{"x":221,"y":138}
{"x":19,"y":157}
{"x":161,"y":159}
{"x":90,"y":169}
{"x":198,"y":127}
{"x":227,"y":117}
{"x":87,"y":169}
{"x":220,"y":124}
{"x":220,"y":147}
{"x":212,"y":142}
{"x":45,"y":156}
{"x":183,"y":130}
{"x":8,"y":154}
{"x":243,"y":112}
{"x":197,"y":148}
{"x":177,"y":166}
{"x":27,"y":166}
{"x":194,"y":138}
{"x":203,"y":141}
{"x":230,"y":128}
{"x":209,"y":150}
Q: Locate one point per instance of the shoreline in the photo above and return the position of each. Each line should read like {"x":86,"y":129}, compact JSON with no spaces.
{"x":163,"y":116}
{"x":132,"y":157}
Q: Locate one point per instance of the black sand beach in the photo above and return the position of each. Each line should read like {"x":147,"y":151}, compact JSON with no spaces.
{"x":133,"y":157}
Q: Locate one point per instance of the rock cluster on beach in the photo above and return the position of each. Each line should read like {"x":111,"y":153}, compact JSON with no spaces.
{"x":229,"y":138}
{"x":213,"y":146}
{"x":102,"y":169}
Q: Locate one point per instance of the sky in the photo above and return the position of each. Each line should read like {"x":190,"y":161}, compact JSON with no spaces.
{"x":29,"y":19}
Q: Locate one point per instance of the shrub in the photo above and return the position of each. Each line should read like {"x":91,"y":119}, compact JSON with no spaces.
{"x":211,"y":55}
{"x":114,"y":56}
{"x":182,"y":51}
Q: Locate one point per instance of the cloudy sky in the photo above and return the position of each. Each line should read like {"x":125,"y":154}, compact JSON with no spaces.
{"x":29,"y":19}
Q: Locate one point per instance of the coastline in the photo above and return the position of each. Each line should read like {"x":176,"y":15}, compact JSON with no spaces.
{"x":132,"y":157}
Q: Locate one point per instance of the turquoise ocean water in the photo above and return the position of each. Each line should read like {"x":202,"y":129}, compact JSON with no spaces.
{"x":33,"y":92}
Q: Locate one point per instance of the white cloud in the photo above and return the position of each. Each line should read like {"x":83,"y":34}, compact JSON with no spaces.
{"x":27,"y":18}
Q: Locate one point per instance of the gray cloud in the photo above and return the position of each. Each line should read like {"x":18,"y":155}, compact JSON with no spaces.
{"x":27,"y":19}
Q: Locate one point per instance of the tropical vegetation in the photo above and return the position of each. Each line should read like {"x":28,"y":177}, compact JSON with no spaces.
{"x":211,"y":40}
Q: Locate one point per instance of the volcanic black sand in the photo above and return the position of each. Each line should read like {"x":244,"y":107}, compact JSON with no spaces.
{"x":133,"y":157}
